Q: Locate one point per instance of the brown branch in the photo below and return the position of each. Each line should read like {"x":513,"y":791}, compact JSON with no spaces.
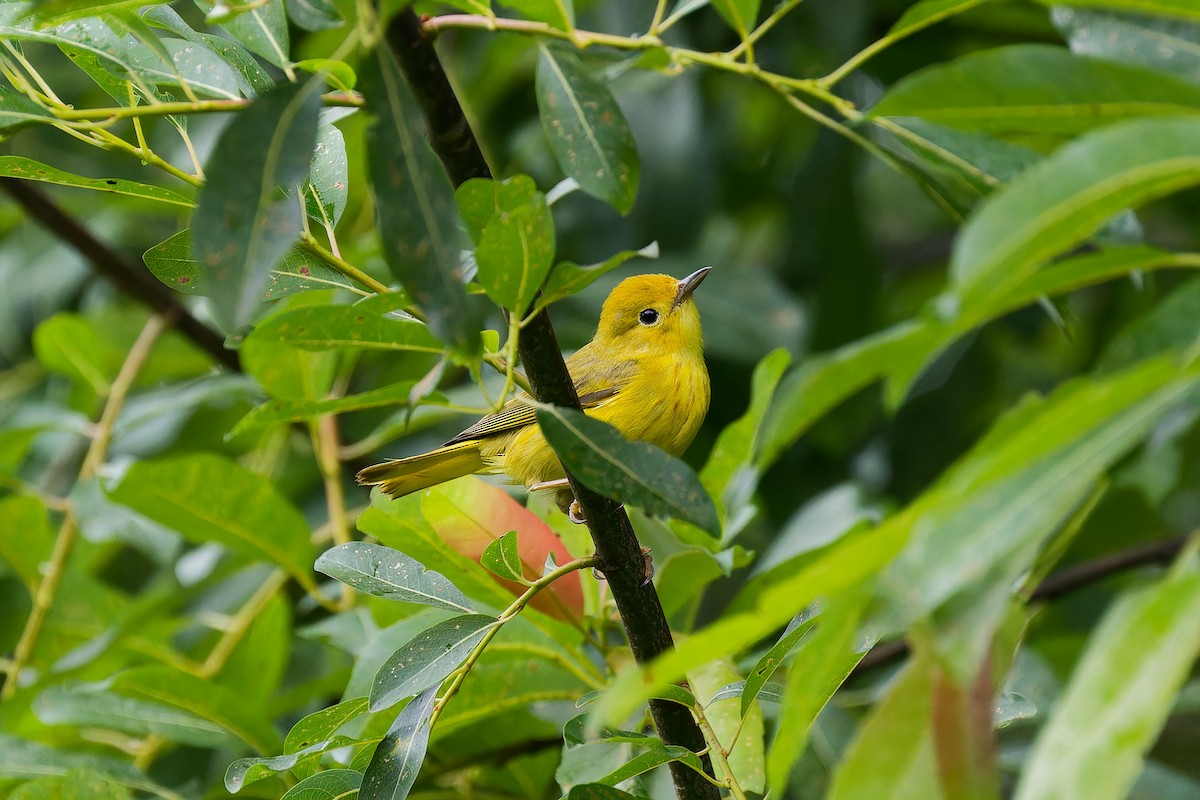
{"x":130,"y":278}
{"x":1065,"y":581}
{"x":616,"y":545}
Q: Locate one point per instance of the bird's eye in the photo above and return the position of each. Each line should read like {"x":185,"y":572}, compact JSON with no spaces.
{"x":648,"y":316}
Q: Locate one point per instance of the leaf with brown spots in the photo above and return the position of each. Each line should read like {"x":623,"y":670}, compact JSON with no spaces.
{"x":586,"y":130}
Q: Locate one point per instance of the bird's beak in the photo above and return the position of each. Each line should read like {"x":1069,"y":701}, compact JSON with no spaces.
{"x":688,"y":285}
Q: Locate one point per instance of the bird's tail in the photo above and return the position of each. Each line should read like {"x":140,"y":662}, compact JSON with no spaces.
{"x":402,"y":476}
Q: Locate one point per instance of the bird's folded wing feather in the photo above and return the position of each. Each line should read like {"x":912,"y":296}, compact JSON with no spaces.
{"x":595,"y":387}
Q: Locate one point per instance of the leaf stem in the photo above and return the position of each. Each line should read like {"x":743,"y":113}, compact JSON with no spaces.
{"x":309,"y":243}
{"x":218,"y":657}
{"x":110,"y":114}
{"x":326,"y":442}
{"x":460,"y":674}
{"x":64,"y":542}
{"x":780,"y":12}
{"x":719,"y":754}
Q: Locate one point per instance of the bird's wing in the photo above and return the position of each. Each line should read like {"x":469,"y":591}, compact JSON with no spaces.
{"x":594,"y":387}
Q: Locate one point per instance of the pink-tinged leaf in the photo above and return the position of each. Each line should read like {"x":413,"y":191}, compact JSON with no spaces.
{"x":469,"y":514}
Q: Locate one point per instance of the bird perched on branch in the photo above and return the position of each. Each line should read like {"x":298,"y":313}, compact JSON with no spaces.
{"x":643,"y":373}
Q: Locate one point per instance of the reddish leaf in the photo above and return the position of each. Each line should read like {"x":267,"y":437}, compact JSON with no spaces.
{"x":469,"y":514}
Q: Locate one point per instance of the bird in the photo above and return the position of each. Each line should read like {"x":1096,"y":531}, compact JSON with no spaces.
{"x":643,"y":372}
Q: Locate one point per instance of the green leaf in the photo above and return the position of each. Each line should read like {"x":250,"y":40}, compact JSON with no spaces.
{"x":328,"y":183}
{"x":729,"y":474}
{"x":1169,"y":46}
{"x":892,"y":755}
{"x":415,"y":206}
{"x":1064,"y":199}
{"x":597,"y":791}
{"x":824,"y":661}
{"x":29,"y":760}
{"x":257,"y":664}
{"x":983,"y":523}
{"x":586,"y":130}
{"x":66,"y":344}
{"x":1167,"y":8}
{"x":567,"y":277}
{"x":97,"y":706}
{"x":397,"y":760}
{"x":52,"y":12}
{"x":208,"y":498}
{"x":314,"y":15}
{"x":928,"y":12}
{"x":245,"y":771}
{"x":558,"y":14}
{"x":1120,"y":695}
{"x":741,"y":15}
{"x":387,"y":573}
{"x":428,"y":658}
{"x":479,"y":200}
{"x":575,"y":731}
{"x":1171,"y":325}
{"x":844,"y":564}
{"x":371,"y":324}
{"x":172,"y":263}
{"x":242,"y":227}
{"x":17,"y":111}
{"x":332,"y":784}
{"x":740,"y":735}
{"x":515,"y":254}
{"x":30,"y":170}
{"x":321,"y":725}
{"x":658,"y":755}
{"x":203,"y":699}
{"x":25,"y":538}
{"x":503,"y":557}
{"x":262,"y":28}
{"x":74,"y":785}
{"x":251,"y":76}
{"x":979,"y":158}
{"x":812,"y":389}
{"x":772,"y":660}
{"x":1035,"y":88}
{"x":632,"y":472}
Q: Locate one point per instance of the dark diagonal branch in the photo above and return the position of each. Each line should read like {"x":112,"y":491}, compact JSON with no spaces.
{"x":618,"y":548}
{"x":129,"y":278}
{"x":1065,"y":581}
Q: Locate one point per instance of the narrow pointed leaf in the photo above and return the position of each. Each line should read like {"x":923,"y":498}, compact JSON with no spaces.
{"x":770,"y":661}
{"x":397,"y":760}
{"x":208,"y":498}
{"x":30,"y":170}
{"x":17,"y":111}
{"x":740,"y":15}
{"x":1167,"y":45}
{"x":428,"y":658}
{"x":245,"y":771}
{"x":415,"y":206}
{"x":567,"y":277}
{"x":586,"y":130}
{"x":243,"y":225}
{"x":387,"y":573}
{"x":262,"y":28}
{"x":632,"y":472}
{"x":1062,"y":200}
{"x":321,"y":725}
{"x":1120,"y":695}
{"x":1184,"y":9}
{"x":1035,"y":88}
{"x":658,"y":755}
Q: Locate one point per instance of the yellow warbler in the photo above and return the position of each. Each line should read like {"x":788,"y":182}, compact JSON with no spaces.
{"x":643,"y":373}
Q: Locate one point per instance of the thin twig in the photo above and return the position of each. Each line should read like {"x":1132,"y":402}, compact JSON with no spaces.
{"x":620,"y":555}
{"x":718,"y":752}
{"x":510,"y":613}
{"x":64,"y":542}
{"x":129,"y":277}
{"x":309,"y":243}
{"x":1063,"y":582}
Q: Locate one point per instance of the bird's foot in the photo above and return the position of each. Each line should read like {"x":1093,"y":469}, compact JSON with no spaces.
{"x":575,"y":513}
{"x":647,"y":566}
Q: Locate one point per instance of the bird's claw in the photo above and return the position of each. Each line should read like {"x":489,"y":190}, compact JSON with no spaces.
{"x":575,"y":513}
{"x":647,"y":566}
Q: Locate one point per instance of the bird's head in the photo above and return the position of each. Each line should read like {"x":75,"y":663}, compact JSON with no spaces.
{"x":653,"y":312}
